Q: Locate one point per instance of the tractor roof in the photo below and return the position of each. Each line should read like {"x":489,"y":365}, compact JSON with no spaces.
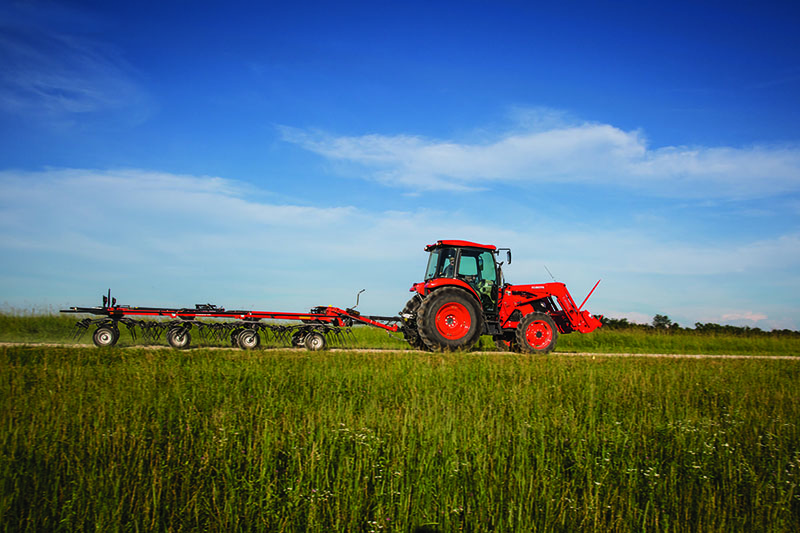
{"x":462,"y":244}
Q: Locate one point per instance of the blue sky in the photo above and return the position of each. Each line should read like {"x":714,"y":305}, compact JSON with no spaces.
{"x":278,"y":156}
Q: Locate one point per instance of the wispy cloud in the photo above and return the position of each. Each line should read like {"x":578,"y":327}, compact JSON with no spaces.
{"x":549,"y":149}
{"x":51,"y":73}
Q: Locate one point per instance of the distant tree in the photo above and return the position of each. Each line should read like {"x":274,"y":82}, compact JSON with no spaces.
{"x":661,"y":322}
{"x":615,"y":323}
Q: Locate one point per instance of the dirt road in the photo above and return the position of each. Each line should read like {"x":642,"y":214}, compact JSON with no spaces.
{"x":391,"y":351}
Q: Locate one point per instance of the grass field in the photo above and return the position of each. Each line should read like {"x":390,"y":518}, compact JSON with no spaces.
{"x":289,"y":440}
{"x":21,"y":327}
{"x":133,"y":439}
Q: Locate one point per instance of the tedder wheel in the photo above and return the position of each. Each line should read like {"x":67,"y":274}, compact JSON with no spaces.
{"x":179,"y":338}
{"x":449,"y":319}
{"x":248,"y":339}
{"x":315,"y":341}
{"x":235,"y":337}
{"x":297,"y":339}
{"x":105,"y":336}
{"x":537,"y":333}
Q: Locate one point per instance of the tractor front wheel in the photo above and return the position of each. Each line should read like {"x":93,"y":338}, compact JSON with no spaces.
{"x":449,"y":319}
{"x":537,"y":333}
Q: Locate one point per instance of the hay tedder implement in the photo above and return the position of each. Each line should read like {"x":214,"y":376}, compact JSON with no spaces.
{"x":313,"y":330}
{"x":462,"y":297}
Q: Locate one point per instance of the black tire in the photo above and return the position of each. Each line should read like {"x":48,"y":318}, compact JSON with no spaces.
{"x":235,"y":337}
{"x":297,"y":339}
{"x":179,"y":338}
{"x":248,"y":339}
{"x":449,"y":319}
{"x":105,"y":336}
{"x":537,"y":333}
{"x":410,"y":331}
{"x":315,"y":341}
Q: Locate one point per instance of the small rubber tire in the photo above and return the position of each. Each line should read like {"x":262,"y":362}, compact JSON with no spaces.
{"x":297,"y":339}
{"x":537,"y":333}
{"x":105,"y":336}
{"x":450,"y":319}
{"x":235,"y":337}
{"x":179,"y":338}
{"x":315,"y":341}
{"x":248,"y":339}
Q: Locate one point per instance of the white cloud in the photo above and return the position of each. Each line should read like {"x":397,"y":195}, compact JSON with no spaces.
{"x":637,"y":251}
{"x":563,"y":153}
{"x":748,"y":316}
{"x":159,"y":238}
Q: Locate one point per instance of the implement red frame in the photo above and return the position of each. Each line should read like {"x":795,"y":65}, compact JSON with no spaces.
{"x":327,"y":315}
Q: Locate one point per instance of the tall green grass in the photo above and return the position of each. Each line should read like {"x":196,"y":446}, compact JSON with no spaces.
{"x":226,"y":440}
{"x":20,"y":327}
{"x":683,"y":342}
{"x":34,"y":327}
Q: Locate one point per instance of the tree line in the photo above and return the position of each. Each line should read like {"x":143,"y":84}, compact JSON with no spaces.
{"x":663,"y":324}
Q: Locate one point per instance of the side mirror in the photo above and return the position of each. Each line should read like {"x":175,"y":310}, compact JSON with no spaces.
{"x":508,"y":253}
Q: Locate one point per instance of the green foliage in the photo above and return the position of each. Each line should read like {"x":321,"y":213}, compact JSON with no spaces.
{"x":661,"y":322}
{"x":616,"y":336}
{"x":226,"y":440}
{"x":30,"y":327}
{"x":649,"y":341}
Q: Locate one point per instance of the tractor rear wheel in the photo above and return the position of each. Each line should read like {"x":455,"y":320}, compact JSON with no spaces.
{"x":537,"y":333}
{"x":449,"y":319}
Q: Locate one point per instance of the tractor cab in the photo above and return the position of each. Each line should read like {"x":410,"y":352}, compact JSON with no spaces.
{"x":467,"y":264}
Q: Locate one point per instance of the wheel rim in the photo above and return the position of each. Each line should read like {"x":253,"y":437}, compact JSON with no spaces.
{"x":248,"y":339}
{"x":539,"y":334}
{"x":453,"y":320}
{"x":179,"y":339}
{"x":105,"y":337}
{"x":315,"y":341}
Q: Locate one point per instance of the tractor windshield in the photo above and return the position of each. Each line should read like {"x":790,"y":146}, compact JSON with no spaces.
{"x":441,"y":264}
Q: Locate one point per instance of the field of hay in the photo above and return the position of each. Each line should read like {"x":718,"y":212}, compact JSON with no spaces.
{"x":289,"y":440}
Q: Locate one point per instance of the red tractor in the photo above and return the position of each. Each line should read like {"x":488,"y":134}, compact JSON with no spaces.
{"x":464,"y":296}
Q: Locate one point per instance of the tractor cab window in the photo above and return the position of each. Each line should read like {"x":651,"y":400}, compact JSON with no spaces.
{"x":478,"y":269}
{"x":477,"y":266}
{"x":441,"y":264}
{"x":433,"y":265}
